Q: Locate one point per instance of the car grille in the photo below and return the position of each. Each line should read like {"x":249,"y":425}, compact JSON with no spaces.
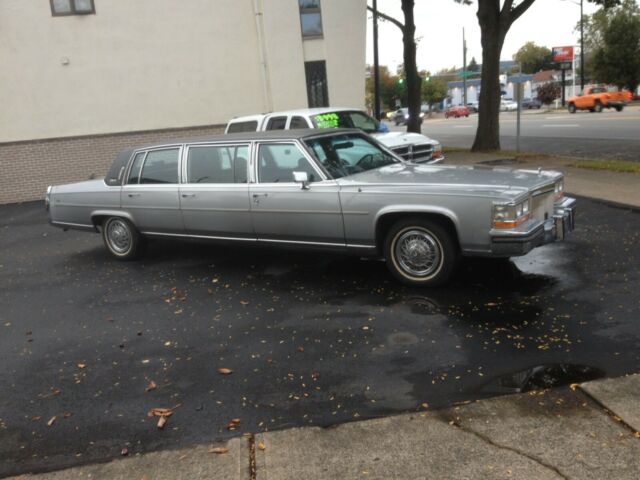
{"x":415,"y":153}
{"x":542,"y":205}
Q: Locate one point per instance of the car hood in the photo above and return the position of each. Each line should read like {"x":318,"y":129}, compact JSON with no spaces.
{"x":400,"y":139}
{"x":460,"y":178}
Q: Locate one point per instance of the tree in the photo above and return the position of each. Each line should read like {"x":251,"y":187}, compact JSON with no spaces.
{"x":391,"y":89}
{"x":548,"y":92}
{"x":533,"y":58}
{"x":617,"y":58}
{"x":412,"y":79}
{"x":473,"y":65}
{"x":495,"y":23}
{"x":434,"y":90}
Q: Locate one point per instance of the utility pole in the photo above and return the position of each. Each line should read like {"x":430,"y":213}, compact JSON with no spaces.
{"x":464,"y":69}
{"x":519,"y":91}
{"x":581,"y":49}
{"x":376,"y":66}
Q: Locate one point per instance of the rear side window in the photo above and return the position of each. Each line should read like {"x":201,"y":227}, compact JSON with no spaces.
{"x":238,"y":127}
{"x":217,"y":164}
{"x":134,"y":173}
{"x":276,"y":123}
{"x":160,"y":166}
{"x":298,"y":122}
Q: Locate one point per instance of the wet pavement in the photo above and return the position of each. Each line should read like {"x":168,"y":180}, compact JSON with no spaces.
{"x":312,"y":338}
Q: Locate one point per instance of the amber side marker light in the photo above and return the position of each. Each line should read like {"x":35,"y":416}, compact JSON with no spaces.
{"x":510,"y":223}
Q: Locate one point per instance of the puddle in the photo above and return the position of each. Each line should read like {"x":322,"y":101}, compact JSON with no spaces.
{"x":543,"y":376}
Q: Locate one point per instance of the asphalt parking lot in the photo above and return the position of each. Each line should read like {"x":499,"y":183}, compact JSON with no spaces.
{"x":311,"y":338}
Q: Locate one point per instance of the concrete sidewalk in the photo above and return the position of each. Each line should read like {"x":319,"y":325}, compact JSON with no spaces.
{"x":588,"y":431}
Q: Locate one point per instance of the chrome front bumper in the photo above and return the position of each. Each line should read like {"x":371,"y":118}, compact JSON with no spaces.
{"x":534,"y":233}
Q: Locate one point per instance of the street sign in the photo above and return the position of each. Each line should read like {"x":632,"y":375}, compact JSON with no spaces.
{"x":565,"y":66}
{"x":562,"y":54}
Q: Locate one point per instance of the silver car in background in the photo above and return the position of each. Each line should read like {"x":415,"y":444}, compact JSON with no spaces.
{"x":330,"y":189}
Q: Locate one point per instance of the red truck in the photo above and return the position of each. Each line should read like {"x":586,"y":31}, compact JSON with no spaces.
{"x":595,"y":99}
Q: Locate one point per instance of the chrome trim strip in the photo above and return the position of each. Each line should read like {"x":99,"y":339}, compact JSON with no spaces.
{"x":353,"y":245}
{"x":322,"y":212}
{"x":302,"y":242}
{"x":69,"y":224}
{"x":355,"y":212}
{"x":210,"y":237}
{"x":207,"y":209}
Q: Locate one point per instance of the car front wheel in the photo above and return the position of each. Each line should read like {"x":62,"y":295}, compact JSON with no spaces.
{"x":121,"y":238}
{"x":420,"y":252}
{"x":572,"y":108}
{"x":597,"y":107}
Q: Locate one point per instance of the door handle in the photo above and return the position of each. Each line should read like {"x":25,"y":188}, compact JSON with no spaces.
{"x":186,"y":195}
{"x":256,"y":196}
{"x":134,"y":195}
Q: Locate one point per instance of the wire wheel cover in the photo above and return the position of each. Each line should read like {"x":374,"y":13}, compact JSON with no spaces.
{"x":418,"y":252}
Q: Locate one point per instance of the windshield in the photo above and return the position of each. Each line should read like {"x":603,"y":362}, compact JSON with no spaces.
{"x":344,"y":155}
{"x":353,"y":119}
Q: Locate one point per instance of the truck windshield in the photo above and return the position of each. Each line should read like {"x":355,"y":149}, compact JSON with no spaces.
{"x":344,"y":155}
{"x":346,"y":119}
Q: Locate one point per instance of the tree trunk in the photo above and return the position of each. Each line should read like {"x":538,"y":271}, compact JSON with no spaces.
{"x":492,"y":38}
{"x":411,"y":68}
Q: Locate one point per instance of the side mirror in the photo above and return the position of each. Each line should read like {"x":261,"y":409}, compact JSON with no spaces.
{"x":302,"y":178}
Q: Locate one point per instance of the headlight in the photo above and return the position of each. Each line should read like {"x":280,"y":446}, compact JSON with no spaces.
{"x":510,"y":215}
{"x":559,"y":190}
{"x":437,"y":150}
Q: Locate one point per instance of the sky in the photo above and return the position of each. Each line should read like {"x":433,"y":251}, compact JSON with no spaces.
{"x":439,"y":26}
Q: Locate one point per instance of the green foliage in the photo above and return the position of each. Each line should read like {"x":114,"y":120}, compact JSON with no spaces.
{"x":473,"y":65}
{"x":533,"y":58}
{"x":434,"y":90}
{"x":616,"y":60}
{"x":391,"y":88}
{"x":548,"y":92}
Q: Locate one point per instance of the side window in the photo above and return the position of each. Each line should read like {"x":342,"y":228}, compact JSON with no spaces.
{"x":298,"y":122}
{"x":134,"y":173}
{"x":277,"y":162}
{"x":363,"y":122}
{"x":237,"y":127}
{"x":217,"y":164}
{"x":276,"y":123}
{"x":160,"y":166}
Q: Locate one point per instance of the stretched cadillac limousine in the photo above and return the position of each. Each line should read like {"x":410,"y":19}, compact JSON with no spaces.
{"x":337,"y":189}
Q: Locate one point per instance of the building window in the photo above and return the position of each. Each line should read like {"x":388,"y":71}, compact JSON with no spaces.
{"x":72,"y":7}
{"x":317,"y":91}
{"x":310,"y":18}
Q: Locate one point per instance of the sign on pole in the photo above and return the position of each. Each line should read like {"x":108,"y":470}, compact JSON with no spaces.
{"x":562,"y":54}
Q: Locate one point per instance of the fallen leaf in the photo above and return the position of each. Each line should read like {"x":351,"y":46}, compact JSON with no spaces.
{"x":573,"y":386}
{"x":82,"y":365}
{"x":424,"y":405}
{"x":244,"y":302}
{"x":233,"y":424}
{"x":161,"y":421}
{"x":51,"y":421}
{"x":262,"y":446}
{"x":218,"y":450}
{"x":162,"y":412}
{"x":301,"y":349}
{"x":124,"y":452}
{"x":225,"y":371}
{"x":152,"y":386}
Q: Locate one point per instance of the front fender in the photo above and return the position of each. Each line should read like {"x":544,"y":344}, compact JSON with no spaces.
{"x":409,"y":208}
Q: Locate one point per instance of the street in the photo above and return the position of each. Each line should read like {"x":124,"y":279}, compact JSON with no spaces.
{"x":609,"y":134}
{"x":89,"y":345}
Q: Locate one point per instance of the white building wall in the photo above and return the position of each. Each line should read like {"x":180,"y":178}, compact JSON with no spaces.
{"x":156,"y":64}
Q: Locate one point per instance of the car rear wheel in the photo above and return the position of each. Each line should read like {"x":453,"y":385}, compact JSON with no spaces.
{"x":619,"y":108}
{"x":420,"y":252}
{"x":572,"y":108}
{"x":597,"y":107}
{"x":121,"y":238}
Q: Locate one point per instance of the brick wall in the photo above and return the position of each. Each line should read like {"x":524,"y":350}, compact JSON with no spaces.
{"x":27,"y":168}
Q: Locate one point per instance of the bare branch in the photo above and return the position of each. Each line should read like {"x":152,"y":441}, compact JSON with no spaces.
{"x":519,"y":9}
{"x":386,"y":17}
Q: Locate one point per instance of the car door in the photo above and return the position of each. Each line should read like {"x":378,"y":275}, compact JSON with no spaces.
{"x":284,"y":211}
{"x":215,"y":192}
{"x":150,"y":194}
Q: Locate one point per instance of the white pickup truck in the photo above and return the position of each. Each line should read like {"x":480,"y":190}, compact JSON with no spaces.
{"x":410,"y":146}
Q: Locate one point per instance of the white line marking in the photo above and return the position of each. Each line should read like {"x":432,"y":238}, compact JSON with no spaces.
{"x":572,"y":125}
{"x":462,"y":126}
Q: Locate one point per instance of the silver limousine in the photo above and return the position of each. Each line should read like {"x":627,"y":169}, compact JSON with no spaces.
{"x":331,"y":189}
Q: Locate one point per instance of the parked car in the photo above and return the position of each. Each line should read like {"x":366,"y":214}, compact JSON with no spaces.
{"x":595,"y":99}
{"x":473,"y":107}
{"x":329,"y":189}
{"x":508,"y":105}
{"x":531,"y":103}
{"x":459,"y":111}
{"x":410,"y":146}
{"x":401,"y":116}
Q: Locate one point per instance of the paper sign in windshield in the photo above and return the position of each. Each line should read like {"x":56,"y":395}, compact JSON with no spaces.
{"x":327,"y":120}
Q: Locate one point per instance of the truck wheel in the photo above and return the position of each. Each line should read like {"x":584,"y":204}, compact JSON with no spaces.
{"x":420,"y":252}
{"x":597,"y":107}
{"x":619,"y":108}
{"x":121,"y":238}
{"x":572,"y":108}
